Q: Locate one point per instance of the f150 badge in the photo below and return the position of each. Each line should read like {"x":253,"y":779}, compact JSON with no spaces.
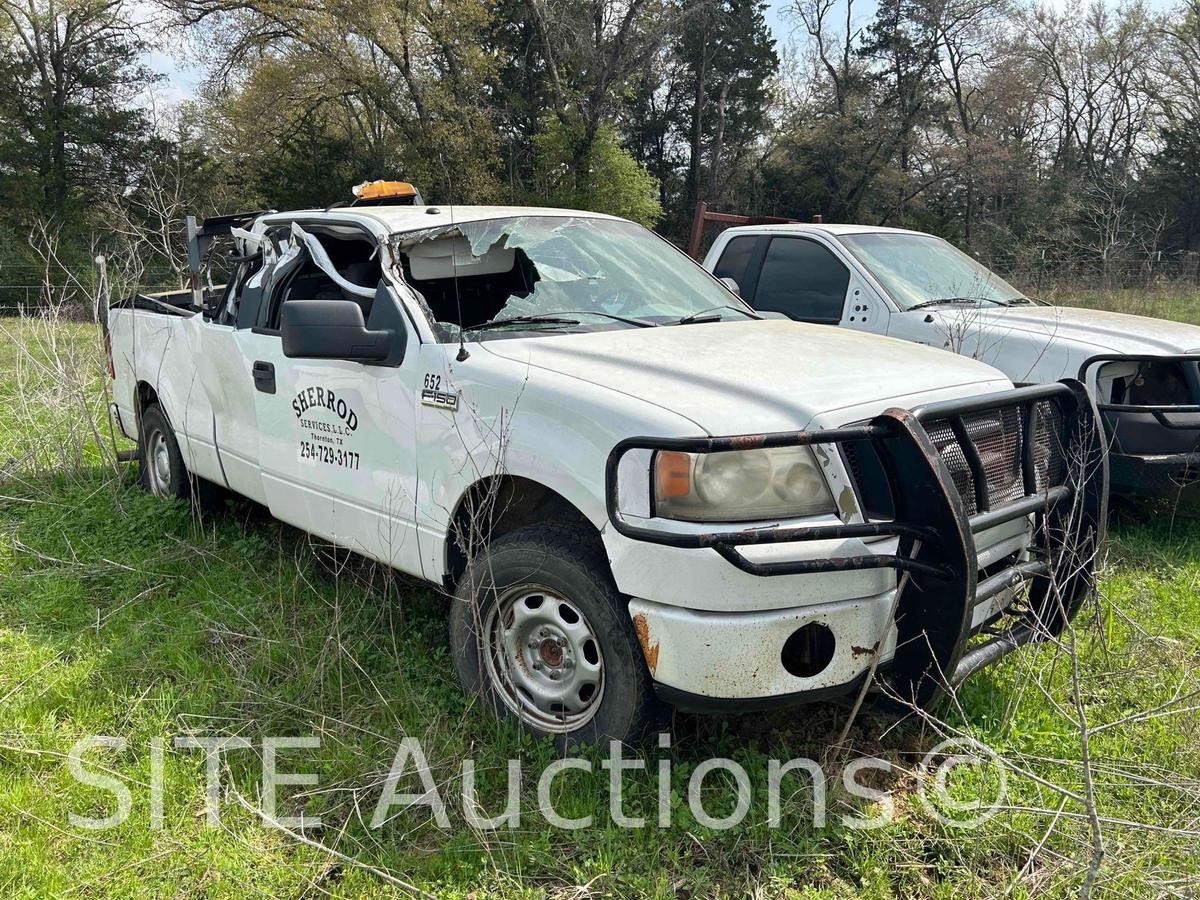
{"x":432,"y":394}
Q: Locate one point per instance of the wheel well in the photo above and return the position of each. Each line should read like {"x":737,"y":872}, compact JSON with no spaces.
{"x":500,"y":504}
{"x":146,"y":396}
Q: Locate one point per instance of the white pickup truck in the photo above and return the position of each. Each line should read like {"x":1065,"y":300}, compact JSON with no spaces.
{"x":639,"y":493}
{"x":1142,"y":372}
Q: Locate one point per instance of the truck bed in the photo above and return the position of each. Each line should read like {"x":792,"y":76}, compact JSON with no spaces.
{"x":171,"y":303}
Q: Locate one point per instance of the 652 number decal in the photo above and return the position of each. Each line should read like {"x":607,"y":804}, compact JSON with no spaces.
{"x":433,"y":382}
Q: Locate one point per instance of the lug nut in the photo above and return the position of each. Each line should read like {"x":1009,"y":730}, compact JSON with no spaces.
{"x":554,"y":676}
{"x":537,"y":664}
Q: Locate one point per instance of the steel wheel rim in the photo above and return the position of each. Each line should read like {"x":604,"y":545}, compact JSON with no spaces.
{"x":159,"y":463}
{"x":543,"y":658}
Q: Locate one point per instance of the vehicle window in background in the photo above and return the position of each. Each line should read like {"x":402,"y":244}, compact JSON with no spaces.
{"x":600,"y":270}
{"x":918,"y":268}
{"x":734,"y":258}
{"x":803,"y":280}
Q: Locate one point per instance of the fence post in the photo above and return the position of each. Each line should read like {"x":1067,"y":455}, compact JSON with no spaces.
{"x":697,"y":230}
{"x":100,"y":313}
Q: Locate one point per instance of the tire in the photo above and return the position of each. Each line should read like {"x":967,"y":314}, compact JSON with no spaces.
{"x":581,"y":677}
{"x":162,"y":470}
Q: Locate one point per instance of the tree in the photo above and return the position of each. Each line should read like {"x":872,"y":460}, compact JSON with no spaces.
{"x":293,"y":141}
{"x":590,"y":50}
{"x":651,"y":116}
{"x":408,"y":84}
{"x":837,"y":153}
{"x":1173,"y":182}
{"x":727,"y":60}
{"x":608,"y":180}
{"x":1093,"y":66}
{"x":904,"y":48}
{"x":975,"y":47}
{"x":68,"y":124}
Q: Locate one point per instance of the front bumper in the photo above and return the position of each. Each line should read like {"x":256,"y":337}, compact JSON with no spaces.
{"x":704,"y":657}
{"x":740,"y":657}
{"x":1154,"y":449}
{"x":1174,"y":477}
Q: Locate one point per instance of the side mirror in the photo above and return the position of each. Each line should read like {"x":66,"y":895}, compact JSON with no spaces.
{"x":732,"y":285}
{"x":330,"y":329}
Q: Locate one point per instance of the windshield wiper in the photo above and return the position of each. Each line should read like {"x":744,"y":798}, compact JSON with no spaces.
{"x":1023,"y":301}
{"x":954,"y":301}
{"x":523,"y":320}
{"x":559,"y":318}
{"x":705,"y":315}
{"x":629,"y":320}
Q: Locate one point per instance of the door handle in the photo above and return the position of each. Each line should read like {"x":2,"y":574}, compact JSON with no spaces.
{"x":264,"y":376}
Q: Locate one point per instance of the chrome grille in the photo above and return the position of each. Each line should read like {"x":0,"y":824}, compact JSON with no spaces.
{"x":997,"y":435}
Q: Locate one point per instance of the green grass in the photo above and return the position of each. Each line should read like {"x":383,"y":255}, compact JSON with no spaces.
{"x":122,"y":615}
{"x":1177,"y":303}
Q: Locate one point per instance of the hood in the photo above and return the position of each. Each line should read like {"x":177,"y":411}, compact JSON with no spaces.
{"x":754,"y":376}
{"x":1107,"y":332}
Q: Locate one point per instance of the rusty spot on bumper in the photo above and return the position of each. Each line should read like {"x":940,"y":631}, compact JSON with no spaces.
{"x":747,"y":441}
{"x":649,"y":650}
{"x":864,"y":651}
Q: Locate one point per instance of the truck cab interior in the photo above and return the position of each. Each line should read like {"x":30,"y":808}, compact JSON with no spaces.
{"x":466,"y":290}
{"x":319,"y":262}
{"x":354,"y":257}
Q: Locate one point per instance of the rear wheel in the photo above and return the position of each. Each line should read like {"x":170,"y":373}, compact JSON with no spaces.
{"x":539,"y":631}
{"x":162,"y":470}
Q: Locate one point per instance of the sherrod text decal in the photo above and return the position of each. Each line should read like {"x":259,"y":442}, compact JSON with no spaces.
{"x":327,"y":434}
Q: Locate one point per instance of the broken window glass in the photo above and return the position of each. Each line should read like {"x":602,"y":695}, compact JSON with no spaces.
{"x":590,"y":273}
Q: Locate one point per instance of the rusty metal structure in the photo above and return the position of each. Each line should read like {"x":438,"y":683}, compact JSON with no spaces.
{"x":702,"y":217}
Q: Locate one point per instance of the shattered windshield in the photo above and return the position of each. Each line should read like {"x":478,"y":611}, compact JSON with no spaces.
{"x":556,"y":273}
{"x":919,"y":269}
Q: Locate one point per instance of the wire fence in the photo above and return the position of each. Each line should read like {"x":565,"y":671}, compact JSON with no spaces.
{"x":1178,"y":272}
{"x":27,"y":291}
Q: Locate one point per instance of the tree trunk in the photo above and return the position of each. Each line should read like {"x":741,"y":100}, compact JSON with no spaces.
{"x":697,"y":135}
{"x":714,"y":167}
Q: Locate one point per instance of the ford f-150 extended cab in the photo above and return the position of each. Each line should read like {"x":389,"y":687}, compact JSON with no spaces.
{"x":638,"y":491}
{"x":1143,"y":373}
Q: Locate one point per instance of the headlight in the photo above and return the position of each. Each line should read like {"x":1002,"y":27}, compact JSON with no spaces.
{"x":739,"y":485}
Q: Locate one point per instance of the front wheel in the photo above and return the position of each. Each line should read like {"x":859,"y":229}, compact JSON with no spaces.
{"x":539,"y":631}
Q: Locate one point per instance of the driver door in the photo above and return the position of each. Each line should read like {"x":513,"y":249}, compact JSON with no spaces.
{"x":337,"y":445}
